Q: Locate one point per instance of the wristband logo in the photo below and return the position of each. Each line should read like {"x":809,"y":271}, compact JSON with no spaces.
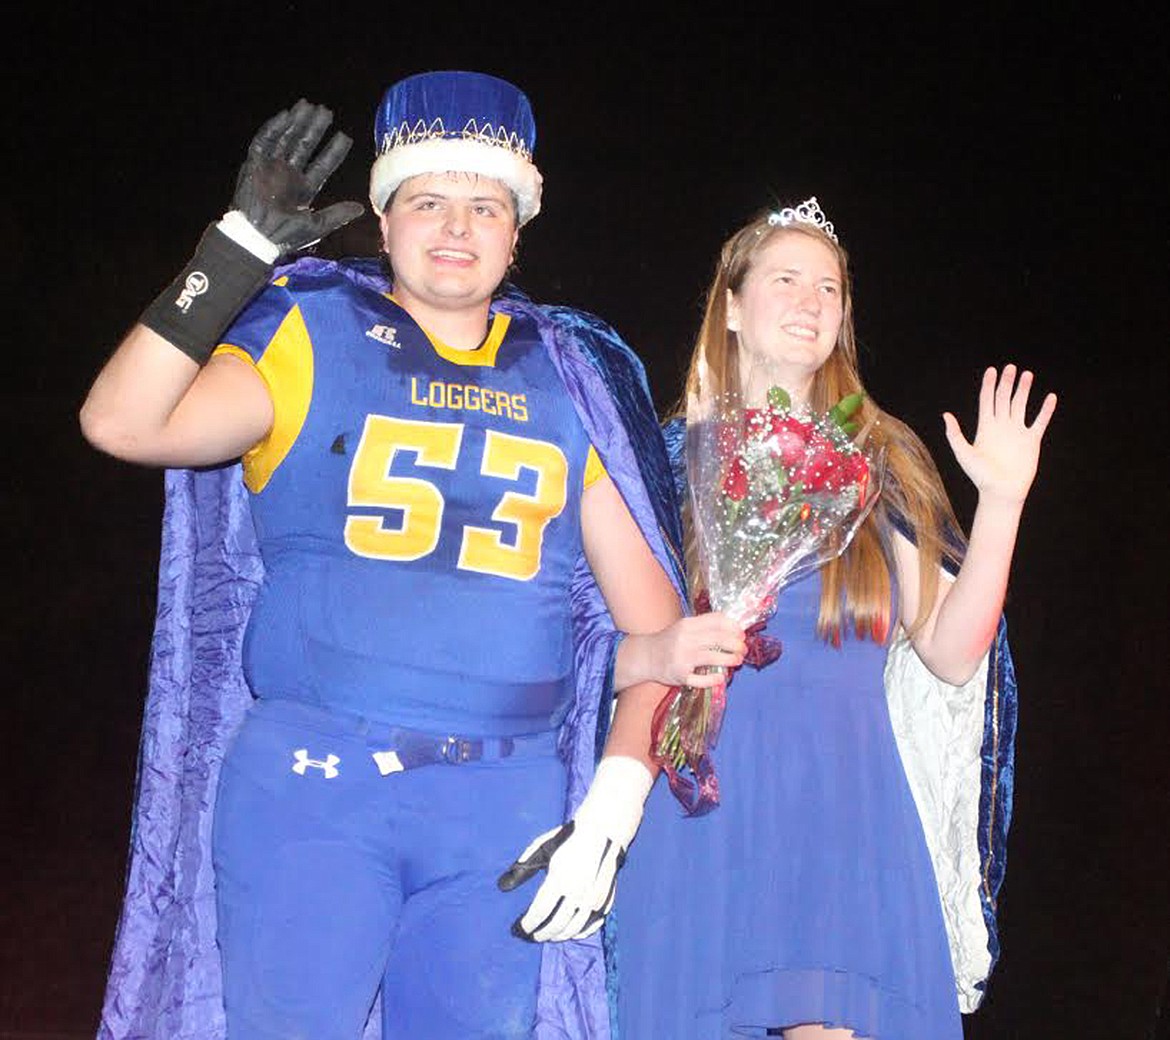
{"x":196,"y":285}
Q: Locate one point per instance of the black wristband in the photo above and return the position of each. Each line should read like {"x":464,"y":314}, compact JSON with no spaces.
{"x":192,"y":312}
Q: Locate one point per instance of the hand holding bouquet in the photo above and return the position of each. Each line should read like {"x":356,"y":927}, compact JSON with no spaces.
{"x":775,"y":492}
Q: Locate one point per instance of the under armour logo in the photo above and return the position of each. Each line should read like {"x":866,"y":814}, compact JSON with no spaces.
{"x":385,"y":334}
{"x":196,"y":284}
{"x":303,"y":762}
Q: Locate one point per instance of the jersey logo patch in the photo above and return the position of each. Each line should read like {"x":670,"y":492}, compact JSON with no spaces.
{"x":328,"y":765}
{"x":388,"y":762}
{"x":385,"y":334}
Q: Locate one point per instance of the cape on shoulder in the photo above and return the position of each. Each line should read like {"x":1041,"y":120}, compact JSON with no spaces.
{"x":164,"y":981}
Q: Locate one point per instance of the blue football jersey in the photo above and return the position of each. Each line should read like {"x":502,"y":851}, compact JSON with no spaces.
{"x":418,"y":512}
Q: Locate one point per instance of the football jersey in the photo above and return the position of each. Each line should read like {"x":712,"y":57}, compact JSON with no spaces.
{"x":418,"y":512}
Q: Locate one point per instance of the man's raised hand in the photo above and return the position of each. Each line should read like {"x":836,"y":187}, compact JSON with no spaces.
{"x":281,"y":177}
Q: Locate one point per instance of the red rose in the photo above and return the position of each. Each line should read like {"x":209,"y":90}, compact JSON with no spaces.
{"x":780,"y":421}
{"x":822,"y":467}
{"x":735,"y":482}
{"x":858,"y":468}
{"x":821,"y":444}
{"x":790,"y":436}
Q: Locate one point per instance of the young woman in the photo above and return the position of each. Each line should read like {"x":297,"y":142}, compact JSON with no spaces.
{"x":806,"y":904}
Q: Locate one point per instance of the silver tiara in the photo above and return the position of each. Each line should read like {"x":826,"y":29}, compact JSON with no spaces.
{"x":499,"y":137}
{"x":808,"y":212}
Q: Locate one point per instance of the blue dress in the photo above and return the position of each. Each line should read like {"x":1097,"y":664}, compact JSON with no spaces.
{"x":808,"y":895}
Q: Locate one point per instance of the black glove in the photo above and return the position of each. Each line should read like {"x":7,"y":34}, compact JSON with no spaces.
{"x":270,"y":217}
{"x":275,"y":186}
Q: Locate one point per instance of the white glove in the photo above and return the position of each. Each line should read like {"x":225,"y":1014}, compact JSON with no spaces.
{"x":582,"y":856}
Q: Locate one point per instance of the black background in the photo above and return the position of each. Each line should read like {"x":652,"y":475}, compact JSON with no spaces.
{"x":1000,"y":183}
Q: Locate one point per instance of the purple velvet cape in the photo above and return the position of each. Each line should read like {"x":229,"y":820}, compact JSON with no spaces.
{"x":164,"y":981}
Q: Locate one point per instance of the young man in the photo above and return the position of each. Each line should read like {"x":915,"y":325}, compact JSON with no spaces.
{"x":458,"y":502}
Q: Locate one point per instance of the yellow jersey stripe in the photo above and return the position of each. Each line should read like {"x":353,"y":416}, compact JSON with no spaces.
{"x":483,"y":356}
{"x":287,"y":370}
{"x":594,"y":470}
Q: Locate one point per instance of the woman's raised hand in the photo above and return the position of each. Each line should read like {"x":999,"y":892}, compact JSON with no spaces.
{"x":1002,"y":460}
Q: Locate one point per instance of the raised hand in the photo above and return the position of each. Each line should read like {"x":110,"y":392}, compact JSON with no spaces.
{"x":1002,"y":460}
{"x":280,"y":178}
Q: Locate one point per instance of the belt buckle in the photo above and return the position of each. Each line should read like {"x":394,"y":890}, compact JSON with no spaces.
{"x":455,"y":750}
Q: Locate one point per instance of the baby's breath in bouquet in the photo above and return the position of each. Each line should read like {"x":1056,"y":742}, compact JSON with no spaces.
{"x":776,"y":492}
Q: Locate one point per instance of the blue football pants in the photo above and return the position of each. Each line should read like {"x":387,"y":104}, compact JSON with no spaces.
{"x":333,"y":880}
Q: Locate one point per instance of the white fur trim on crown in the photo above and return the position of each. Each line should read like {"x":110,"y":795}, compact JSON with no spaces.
{"x":442,"y":154}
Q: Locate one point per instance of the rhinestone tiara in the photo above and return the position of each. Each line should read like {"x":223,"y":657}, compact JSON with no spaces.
{"x":808,"y":212}
{"x":499,"y":137}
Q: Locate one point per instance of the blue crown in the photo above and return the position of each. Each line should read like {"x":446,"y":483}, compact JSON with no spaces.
{"x":464,"y":121}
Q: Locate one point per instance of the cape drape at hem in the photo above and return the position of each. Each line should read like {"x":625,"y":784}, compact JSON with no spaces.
{"x":164,"y":981}
{"x":957,"y":745}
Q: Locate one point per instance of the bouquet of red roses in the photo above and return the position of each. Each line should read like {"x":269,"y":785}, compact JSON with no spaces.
{"x":775,"y":492}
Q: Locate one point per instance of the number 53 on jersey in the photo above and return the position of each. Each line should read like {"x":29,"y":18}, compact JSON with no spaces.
{"x":437,"y":445}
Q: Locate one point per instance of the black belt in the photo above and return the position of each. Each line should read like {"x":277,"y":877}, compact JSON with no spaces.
{"x":408,"y":749}
{"x":396,"y":748}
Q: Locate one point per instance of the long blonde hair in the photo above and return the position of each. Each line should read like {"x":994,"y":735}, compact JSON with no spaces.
{"x":855,"y":586}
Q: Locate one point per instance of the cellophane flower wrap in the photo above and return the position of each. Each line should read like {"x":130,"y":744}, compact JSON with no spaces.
{"x":776,"y":492}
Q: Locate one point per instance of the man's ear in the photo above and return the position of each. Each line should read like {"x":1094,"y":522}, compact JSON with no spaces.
{"x":383,"y":221}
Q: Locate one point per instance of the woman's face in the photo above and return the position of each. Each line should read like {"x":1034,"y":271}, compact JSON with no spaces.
{"x":787,"y":313}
